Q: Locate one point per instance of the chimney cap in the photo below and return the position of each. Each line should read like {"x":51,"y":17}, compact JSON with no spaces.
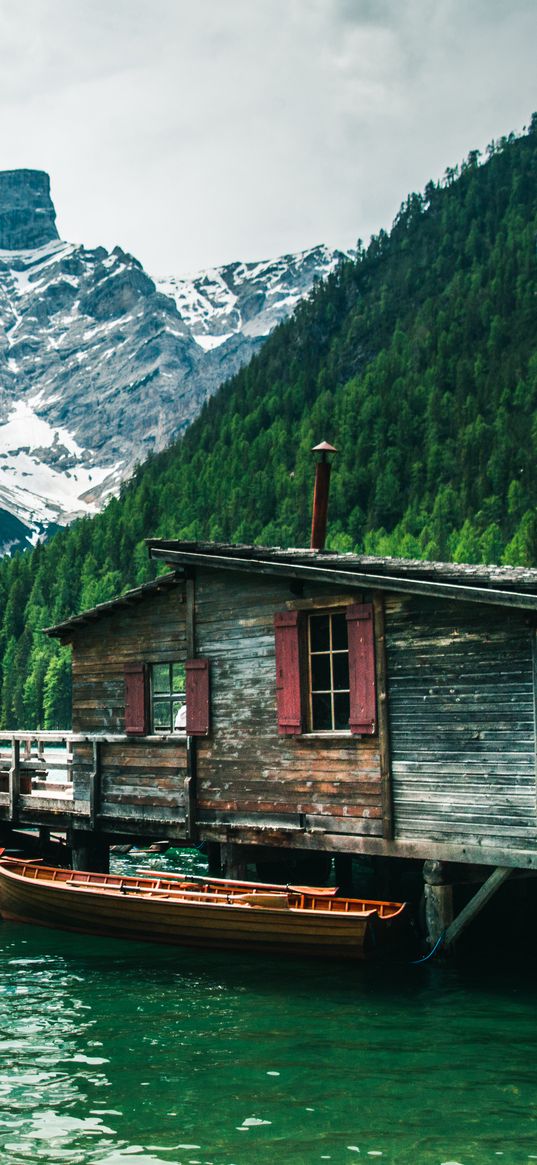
{"x":324,"y":447}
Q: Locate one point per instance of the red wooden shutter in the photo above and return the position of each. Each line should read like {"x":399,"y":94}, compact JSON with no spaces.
{"x":135,"y":699}
{"x":363,"y":703}
{"x":288,"y":689}
{"x":197,"y":697}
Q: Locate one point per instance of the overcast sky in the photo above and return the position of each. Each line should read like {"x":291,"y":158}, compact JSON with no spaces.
{"x":196,"y":132}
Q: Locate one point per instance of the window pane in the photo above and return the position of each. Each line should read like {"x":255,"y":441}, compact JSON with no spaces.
{"x":319,"y":632}
{"x":341,"y":670}
{"x":340,"y":640}
{"x":341,"y":710}
{"x":161,"y":716}
{"x":179,"y":682}
{"x":321,"y":713}
{"x":320,"y":673}
{"x":329,"y":671}
{"x":161,"y":677}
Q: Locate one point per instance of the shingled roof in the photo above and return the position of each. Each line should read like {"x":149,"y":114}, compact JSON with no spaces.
{"x":514,"y":586}
{"x":522,"y":577}
{"x":501,"y":585}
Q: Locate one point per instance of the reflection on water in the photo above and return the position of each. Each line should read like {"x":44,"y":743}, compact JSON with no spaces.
{"x":118,"y":1053}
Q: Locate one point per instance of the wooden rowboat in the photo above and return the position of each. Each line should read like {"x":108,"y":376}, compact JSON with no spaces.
{"x":207,"y":913}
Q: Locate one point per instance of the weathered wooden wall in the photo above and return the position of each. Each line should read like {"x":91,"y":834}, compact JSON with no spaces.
{"x":462,"y":723}
{"x":460,"y":736}
{"x":246,"y":771}
{"x":146,"y":632}
{"x":140,"y":779}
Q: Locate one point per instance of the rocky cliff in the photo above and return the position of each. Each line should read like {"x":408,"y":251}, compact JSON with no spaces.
{"x":27,"y":214}
{"x":101,"y":365}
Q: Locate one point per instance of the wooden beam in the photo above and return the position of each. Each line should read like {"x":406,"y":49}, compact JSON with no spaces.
{"x":383,"y":717}
{"x":476,"y":904}
{"x":320,"y":602}
{"x":266,"y":832}
{"x":191,"y":743}
{"x":190,"y":618}
{"x":95,"y":783}
{"x":14,"y":780}
{"x":192,"y":831}
{"x":534,"y":660}
{"x":32,"y":803}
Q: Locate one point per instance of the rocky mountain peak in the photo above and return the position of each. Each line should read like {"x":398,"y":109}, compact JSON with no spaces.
{"x":27,"y":214}
{"x":101,"y":365}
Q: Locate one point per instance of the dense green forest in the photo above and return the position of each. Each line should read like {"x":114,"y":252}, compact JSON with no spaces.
{"x":417,"y":360}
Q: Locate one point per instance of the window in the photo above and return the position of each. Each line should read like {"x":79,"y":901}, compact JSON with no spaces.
{"x":328,"y":669}
{"x":325,"y":670}
{"x":156,"y":692}
{"x":168,"y":696}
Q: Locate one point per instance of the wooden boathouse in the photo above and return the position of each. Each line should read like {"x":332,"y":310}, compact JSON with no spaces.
{"x":269,"y":702}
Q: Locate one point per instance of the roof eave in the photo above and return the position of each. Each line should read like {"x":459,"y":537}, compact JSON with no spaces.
{"x":350,"y":578}
{"x":65,"y":631}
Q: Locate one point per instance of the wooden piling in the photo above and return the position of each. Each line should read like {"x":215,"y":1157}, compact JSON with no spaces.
{"x":343,"y":873}
{"x":14,"y":779}
{"x":438,"y":900}
{"x":90,"y":851}
{"x":213,"y":857}
{"x":232,"y":860}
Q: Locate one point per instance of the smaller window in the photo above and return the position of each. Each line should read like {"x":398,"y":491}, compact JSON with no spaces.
{"x":168,"y":687}
{"x":328,"y":658}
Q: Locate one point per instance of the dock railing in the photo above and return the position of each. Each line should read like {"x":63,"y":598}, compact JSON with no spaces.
{"x":37,"y":770}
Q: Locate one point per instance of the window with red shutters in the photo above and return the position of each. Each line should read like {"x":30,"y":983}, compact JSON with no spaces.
{"x":325,"y":671}
{"x":167,"y":697}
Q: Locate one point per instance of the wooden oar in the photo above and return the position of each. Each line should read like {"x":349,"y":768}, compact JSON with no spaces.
{"x":195,"y":897}
{"x":329,"y":891}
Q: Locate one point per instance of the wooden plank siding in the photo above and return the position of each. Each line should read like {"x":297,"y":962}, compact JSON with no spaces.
{"x":449,"y":771}
{"x":462,"y":723}
{"x":245,"y":768}
{"x":140,"y":780}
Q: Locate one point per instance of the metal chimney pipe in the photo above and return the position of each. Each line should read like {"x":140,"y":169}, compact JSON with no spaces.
{"x":320,"y":495}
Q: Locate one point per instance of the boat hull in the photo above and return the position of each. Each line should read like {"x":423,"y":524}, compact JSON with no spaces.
{"x":67,"y":905}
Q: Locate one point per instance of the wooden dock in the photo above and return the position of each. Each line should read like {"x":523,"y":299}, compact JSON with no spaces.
{"x":53,"y":781}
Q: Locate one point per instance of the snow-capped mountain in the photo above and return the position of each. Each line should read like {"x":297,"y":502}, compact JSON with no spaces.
{"x":100,"y":364}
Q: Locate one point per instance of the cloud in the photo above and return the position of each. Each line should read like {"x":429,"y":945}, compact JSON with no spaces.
{"x":198,"y":134}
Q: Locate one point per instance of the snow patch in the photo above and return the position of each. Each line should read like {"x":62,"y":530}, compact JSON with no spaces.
{"x":35,"y":491}
{"x":25,"y":430}
{"x":208,"y":343}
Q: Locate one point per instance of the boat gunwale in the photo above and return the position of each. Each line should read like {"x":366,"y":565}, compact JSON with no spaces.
{"x":115,"y":892}
{"x":173,"y":897}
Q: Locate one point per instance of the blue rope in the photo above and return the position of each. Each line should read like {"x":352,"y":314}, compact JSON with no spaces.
{"x":425,"y":959}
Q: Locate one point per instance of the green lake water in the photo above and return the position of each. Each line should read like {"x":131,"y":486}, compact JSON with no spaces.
{"x":115,"y":1053}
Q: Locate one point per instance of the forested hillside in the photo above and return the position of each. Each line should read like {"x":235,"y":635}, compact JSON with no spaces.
{"x":418,"y":361}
